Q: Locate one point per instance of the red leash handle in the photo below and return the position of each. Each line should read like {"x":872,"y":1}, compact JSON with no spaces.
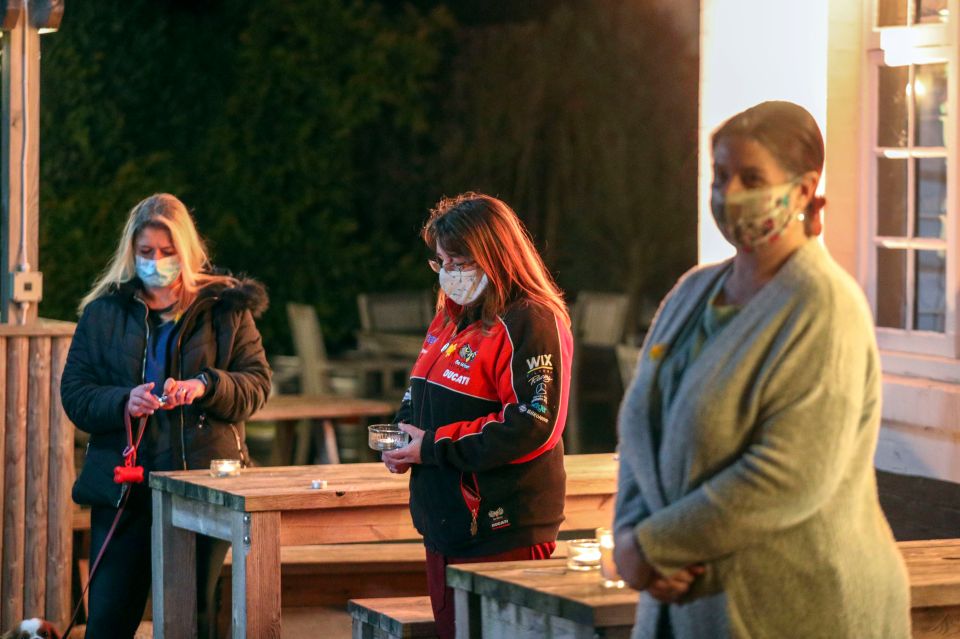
{"x":130,"y":473}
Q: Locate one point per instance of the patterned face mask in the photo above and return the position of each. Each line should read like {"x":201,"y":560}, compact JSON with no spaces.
{"x":754,"y":217}
{"x":463,"y":287}
{"x":158,"y":273}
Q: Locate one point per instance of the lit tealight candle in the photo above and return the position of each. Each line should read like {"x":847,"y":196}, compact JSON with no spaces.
{"x":583,"y":554}
{"x":224,"y":467}
{"x":608,"y":567}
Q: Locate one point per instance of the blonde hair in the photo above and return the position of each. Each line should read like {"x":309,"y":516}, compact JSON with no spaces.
{"x":486,"y":230}
{"x":166,"y":212}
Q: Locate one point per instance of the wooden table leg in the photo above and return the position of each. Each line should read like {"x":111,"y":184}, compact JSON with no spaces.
{"x":467,"y":612}
{"x":330,"y":442}
{"x":256,"y":575}
{"x":174,"y":560}
{"x":282,"y":451}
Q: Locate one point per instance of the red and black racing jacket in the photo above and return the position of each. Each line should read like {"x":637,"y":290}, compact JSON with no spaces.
{"x":493,"y":403}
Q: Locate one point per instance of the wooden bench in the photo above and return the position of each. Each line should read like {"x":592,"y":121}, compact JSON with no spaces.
{"x":332,"y":574}
{"x":392,"y":618}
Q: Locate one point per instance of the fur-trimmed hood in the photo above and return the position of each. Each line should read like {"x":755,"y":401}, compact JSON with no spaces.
{"x":246,"y":293}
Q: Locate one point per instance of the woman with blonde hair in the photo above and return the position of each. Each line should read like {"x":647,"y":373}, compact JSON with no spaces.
{"x":164,"y":341}
{"x":488,"y":398}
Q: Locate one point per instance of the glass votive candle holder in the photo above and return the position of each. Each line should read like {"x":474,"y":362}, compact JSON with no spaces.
{"x":386,"y":437}
{"x":224,"y":467}
{"x":583,"y":554}
{"x":608,"y":567}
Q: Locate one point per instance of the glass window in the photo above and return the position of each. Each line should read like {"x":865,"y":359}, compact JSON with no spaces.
{"x":931,"y":286}
{"x":931,"y":197}
{"x":891,"y":197}
{"x":912,"y":173}
{"x":892,"y":280}
{"x":932,"y":11}
{"x":892,"y":13}
{"x":930,"y":100}
{"x":892,"y":116}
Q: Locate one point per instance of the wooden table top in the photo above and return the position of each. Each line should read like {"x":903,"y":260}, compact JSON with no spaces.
{"x":934,"y":567}
{"x":292,"y":407}
{"x":549,"y":587}
{"x":348,"y":485}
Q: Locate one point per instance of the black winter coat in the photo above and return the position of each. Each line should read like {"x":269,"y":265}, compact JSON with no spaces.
{"x":216,"y":335}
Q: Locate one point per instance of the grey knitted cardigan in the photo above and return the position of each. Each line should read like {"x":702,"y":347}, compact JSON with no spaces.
{"x":765,"y":469}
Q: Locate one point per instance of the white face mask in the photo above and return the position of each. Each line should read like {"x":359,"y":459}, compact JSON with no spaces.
{"x":754,"y":217}
{"x":158,"y":273}
{"x":463,"y":287}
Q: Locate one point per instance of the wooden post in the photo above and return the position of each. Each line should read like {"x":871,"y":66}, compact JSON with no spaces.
{"x":19,"y":244}
{"x":21,"y":93}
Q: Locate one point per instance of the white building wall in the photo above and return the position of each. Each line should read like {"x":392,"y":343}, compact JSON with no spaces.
{"x":813,"y":53}
{"x":750,"y":52}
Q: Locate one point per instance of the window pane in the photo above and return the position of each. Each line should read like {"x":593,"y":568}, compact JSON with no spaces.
{"x":891,"y":197}
{"x":930,"y":95}
{"x":891,"y":288}
{"x":892,"y":106}
{"x":891,"y":13}
{"x":931,"y":197}
{"x":931,"y":288}
{"x":932,"y":11}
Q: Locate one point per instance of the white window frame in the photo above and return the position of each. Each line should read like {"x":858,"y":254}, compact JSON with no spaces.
{"x":901,"y":46}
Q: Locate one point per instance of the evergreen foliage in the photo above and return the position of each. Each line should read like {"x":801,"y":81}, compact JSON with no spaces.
{"x":311,"y":137}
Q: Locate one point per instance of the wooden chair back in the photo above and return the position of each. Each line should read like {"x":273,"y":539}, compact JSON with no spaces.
{"x":404,"y":312}
{"x":308,"y":343}
{"x":627,"y":359}
{"x":599,"y":319}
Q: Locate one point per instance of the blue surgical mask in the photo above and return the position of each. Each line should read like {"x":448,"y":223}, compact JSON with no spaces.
{"x":158,"y":273}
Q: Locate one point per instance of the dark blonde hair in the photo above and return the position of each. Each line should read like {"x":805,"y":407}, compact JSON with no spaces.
{"x":486,"y":230}
{"x":166,"y":212}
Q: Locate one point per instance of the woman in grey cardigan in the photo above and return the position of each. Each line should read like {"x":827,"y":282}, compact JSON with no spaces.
{"x":747,"y":504}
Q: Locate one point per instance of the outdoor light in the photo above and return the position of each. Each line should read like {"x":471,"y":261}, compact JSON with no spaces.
{"x":45,"y":15}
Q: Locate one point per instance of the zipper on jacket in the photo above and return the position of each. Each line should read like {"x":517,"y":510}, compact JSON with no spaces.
{"x":143,"y":375}
{"x":236,"y":436}
{"x":179,"y":351}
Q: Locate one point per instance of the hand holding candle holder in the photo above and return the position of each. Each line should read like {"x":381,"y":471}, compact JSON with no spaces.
{"x":386,"y":437}
{"x":583,"y":554}
{"x":608,"y":567}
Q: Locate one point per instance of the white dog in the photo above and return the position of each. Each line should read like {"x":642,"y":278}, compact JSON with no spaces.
{"x":33,"y":629}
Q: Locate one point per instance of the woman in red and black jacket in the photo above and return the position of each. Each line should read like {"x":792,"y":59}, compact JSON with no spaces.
{"x":488,"y":398}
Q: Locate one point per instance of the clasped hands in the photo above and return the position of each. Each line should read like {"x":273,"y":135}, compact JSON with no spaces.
{"x":637,"y":572}
{"x":400,"y":460}
{"x":177,"y":392}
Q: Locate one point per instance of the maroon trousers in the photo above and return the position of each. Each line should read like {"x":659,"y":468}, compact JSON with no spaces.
{"x":441,"y":597}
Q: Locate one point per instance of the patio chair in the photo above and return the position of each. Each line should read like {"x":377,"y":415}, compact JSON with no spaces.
{"x":314,"y":379}
{"x":394,"y":323}
{"x":627,"y":358}
{"x":599,"y":322}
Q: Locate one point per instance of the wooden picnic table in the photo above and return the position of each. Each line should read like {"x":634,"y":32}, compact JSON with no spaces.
{"x":544,"y":599}
{"x":293,"y":443}
{"x":266,"y":508}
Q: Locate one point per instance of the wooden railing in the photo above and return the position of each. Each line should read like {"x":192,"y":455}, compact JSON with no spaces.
{"x":36,"y":445}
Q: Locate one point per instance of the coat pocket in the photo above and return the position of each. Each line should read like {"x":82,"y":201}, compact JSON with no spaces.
{"x":95,"y":485}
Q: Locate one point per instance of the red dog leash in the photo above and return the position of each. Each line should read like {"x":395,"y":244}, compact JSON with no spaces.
{"x":126,"y":475}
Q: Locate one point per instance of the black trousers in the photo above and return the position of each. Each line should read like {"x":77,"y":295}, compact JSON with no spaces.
{"x":119,"y":588}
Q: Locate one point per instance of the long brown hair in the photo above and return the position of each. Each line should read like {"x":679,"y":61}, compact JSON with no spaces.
{"x":487,"y":231}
